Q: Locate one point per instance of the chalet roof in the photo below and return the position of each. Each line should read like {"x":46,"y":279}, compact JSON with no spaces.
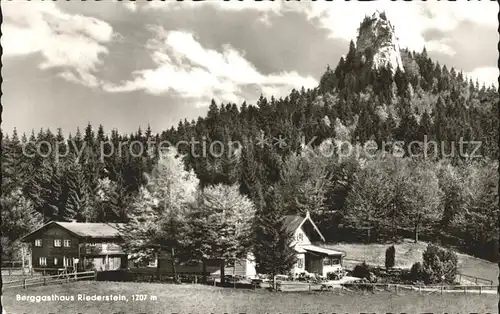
{"x":83,"y":229}
{"x":92,"y":230}
{"x":321,"y":250}
{"x":293,"y":222}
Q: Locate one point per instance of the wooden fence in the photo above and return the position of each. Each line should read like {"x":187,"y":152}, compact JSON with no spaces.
{"x":46,"y":280}
{"x":14,"y":264}
{"x":474,"y":279}
{"x":19,"y":271}
{"x":380,"y":287}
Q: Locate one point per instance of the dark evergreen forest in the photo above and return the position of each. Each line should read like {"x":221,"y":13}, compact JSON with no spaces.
{"x":427,"y":193}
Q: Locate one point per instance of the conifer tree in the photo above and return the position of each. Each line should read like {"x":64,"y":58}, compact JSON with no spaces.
{"x":273,"y":252}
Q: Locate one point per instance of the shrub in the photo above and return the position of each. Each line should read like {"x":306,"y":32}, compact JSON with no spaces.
{"x":331,"y":276}
{"x":361,"y":271}
{"x":440,"y":265}
{"x":416,"y":272}
{"x":390,"y":257}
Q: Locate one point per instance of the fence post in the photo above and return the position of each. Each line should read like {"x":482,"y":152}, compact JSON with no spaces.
{"x":309,"y":287}
{"x":274,"y":283}
{"x":476,"y":281}
{"x":10,"y":271}
{"x":195,"y":279}
{"x":419,"y":289}
{"x":24,"y":283}
{"x":465,"y":289}
{"x":44,"y":281}
{"x":480,"y":289}
{"x":441,"y":289}
{"x":95,"y":275}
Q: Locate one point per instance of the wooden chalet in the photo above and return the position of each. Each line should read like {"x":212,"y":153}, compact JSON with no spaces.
{"x":311,"y":258}
{"x":85,"y":246}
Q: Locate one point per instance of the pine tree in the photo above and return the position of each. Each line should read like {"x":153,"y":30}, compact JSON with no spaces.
{"x":273,"y":252}
{"x":79,"y":203}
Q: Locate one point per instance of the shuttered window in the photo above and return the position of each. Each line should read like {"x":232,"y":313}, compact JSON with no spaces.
{"x":42,"y":261}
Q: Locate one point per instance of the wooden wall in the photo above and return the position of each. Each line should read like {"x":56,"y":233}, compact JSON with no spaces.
{"x":49,"y":251}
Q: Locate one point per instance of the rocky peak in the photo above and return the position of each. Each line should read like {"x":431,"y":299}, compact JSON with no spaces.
{"x":377,"y":42}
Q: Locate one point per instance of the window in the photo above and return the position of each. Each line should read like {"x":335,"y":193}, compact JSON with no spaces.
{"x":300,"y":263}
{"x":327,"y":261}
{"x":55,"y":261}
{"x":57,"y":242}
{"x":67,"y":243}
{"x":38,"y":242}
{"x":67,"y":261}
{"x":153,"y":263}
{"x":300,"y":237}
{"x":335,"y":261}
{"x":42,"y":261}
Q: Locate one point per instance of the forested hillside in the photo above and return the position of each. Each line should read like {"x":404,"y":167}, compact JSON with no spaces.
{"x":445,"y":190}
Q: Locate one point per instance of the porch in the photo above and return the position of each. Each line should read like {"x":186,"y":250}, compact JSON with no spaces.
{"x":319,"y":260}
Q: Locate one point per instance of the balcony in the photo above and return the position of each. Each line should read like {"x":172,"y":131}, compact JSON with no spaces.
{"x":100,"y":249}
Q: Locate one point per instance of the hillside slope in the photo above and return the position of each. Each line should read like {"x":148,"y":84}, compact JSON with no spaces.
{"x":408,"y":253}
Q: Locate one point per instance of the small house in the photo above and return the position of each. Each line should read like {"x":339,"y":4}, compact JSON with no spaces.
{"x":311,"y":258}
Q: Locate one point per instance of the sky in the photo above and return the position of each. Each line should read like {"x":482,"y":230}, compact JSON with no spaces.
{"x":129,"y":64}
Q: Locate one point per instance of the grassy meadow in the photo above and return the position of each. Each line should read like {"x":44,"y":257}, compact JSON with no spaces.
{"x":207,"y":299}
{"x":408,"y":253}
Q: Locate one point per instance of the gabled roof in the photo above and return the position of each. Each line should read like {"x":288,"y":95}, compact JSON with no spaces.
{"x":83,"y":229}
{"x":292,"y":223}
{"x":321,"y":250}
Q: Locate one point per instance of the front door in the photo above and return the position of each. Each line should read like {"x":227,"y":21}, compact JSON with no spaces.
{"x":314,"y":264}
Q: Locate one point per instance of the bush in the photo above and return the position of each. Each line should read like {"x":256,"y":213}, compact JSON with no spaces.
{"x":362,"y":271}
{"x":440,"y":265}
{"x":331,"y":276}
{"x":416,"y":272}
{"x":390,"y":257}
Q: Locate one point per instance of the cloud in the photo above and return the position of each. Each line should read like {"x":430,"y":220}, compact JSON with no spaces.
{"x":130,"y":5}
{"x":486,"y":75}
{"x":264,"y":6}
{"x":71,"y":42}
{"x":440,"y":46}
{"x":192,"y":71}
{"x":410,"y":19}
